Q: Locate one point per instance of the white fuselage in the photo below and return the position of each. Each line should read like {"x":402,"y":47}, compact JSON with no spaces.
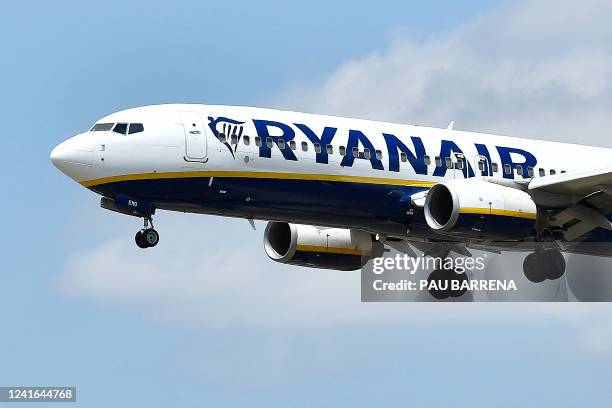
{"x":298,"y":167}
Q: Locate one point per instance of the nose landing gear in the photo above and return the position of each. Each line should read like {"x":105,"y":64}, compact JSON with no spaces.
{"x":147,"y":237}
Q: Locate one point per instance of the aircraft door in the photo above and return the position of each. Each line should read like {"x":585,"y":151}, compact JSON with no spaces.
{"x":195,"y":136}
{"x":459,"y":165}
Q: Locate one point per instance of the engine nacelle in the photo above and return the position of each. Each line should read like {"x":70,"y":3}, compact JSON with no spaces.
{"x":326,"y":248}
{"x":480,"y":209}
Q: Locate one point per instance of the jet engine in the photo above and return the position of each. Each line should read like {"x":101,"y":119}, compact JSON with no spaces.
{"x":480,"y":209}
{"x":317,"y":247}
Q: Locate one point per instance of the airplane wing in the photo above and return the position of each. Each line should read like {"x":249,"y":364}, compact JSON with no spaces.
{"x":592,"y":190}
{"x":434,"y":249}
{"x":578,"y":183}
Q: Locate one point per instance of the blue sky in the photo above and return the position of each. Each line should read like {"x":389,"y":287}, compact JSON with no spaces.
{"x":74,"y":313}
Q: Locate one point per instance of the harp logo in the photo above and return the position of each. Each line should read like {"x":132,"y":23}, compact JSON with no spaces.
{"x":226,"y":129}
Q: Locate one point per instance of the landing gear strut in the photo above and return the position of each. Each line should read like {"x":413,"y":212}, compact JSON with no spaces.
{"x":544,"y":264}
{"x":147,"y":237}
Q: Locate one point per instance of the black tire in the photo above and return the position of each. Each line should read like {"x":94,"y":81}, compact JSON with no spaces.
{"x":555,"y":264}
{"x":533,"y":267}
{"x":150,"y":237}
{"x":439,"y":276}
{"x":140,"y":240}
{"x":455,"y":276}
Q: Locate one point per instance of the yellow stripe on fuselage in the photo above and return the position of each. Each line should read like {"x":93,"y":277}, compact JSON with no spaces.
{"x":329,"y":250}
{"x":259,"y":175}
{"x":298,"y":176}
{"x":505,"y":213}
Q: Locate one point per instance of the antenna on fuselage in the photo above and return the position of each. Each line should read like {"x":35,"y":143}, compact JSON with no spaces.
{"x":451,"y":125}
{"x":252,"y":224}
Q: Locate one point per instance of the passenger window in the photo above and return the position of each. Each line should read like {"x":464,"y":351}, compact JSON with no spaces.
{"x":257,"y":141}
{"x":136,"y":128}
{"x":222,"y":138}
{"x":342,"y":150}
{"x":553,"y":172}
{"x":481,"y":165}
{"x":269,"y":142}
{"x":355,"y":152}
{"x":427,"y":160}
{"x":102,"y":127}
{"x":542,"y":172}
{"x":247,"y":140}
{"x":519,"y":170}
{"x":403,"y":157}
{"x":330,"y":149}
{"x":304,"y":146}
{"x":379,"y":155}
{"x":530,"y":171}
{"x":234,"y":139}
{"x":317,"y":147}
{"x":438,"y":161}
{"x":449,"y":163}
{"x":281,"y":144}
{"x":495,"y":167}
{"x":366,"y":154}
{"x":292,"y":145}
{"x":460,"y":164}
{"x":507,"y":169}
{"x":563,"y":171}
{"x":121,"y":128}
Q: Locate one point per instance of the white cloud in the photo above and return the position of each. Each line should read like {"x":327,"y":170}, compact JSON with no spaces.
{"x":532,"y":68}
{"x":536,"y":68}
{"x":212,"y":272}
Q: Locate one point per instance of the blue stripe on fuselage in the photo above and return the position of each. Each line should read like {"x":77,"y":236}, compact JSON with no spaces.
{"x":316,"y":202}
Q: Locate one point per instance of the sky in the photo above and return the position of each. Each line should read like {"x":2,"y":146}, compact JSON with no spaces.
{"x":206,"y":318}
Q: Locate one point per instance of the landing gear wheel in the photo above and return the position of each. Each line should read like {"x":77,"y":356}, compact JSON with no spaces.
{"x":150,"y":237}
{"x":147,"y":237}
{"x":542,"y":265}
{"x":555,"y":264}
{"x":532,"y":268}
{"x":140,"y":240}
{"x":438,"y":278}
{"x":459,"y":278}
{"x":445,"y":280}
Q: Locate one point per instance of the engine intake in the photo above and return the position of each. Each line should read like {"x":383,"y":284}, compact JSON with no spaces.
{"x":325,"y":248}
{"x":480,"y":209}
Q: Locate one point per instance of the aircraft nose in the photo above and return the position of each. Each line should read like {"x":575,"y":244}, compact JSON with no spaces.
{"x":73,"y":158}
{"x":57,"y":155}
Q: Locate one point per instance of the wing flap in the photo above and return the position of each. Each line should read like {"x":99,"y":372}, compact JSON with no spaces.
{"x":584,"y":216}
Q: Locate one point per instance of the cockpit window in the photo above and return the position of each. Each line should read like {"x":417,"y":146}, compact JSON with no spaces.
{"x":121,"y":128}
{"x":136,"y":128}
{"x":102,"y":127}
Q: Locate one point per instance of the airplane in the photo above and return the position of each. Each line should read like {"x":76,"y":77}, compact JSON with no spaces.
{"x":336,"y":190}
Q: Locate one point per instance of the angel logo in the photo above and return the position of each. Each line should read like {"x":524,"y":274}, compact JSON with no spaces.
{"x":228,"y":131}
